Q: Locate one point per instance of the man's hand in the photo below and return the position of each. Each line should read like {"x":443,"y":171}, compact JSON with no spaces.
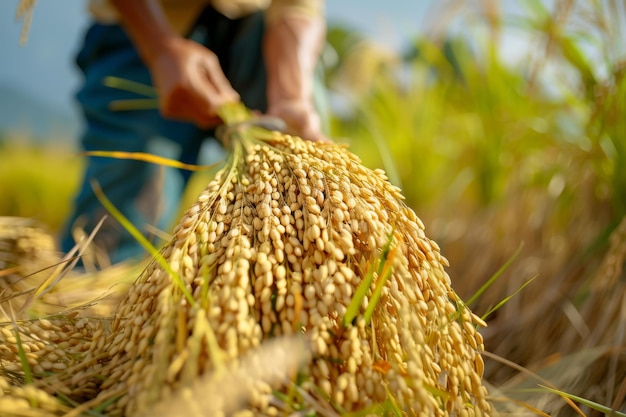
{"x":292,"y":45}
{"x":188,"y":77}
{"x":190,"y":82}
{"x":300,"y":117}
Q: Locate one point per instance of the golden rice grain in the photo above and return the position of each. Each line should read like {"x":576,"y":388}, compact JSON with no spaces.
{"x":280,"y":242}
{"x":295,"y":232}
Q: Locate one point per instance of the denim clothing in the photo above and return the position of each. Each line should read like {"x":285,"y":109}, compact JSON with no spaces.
{"x":145,"y":193}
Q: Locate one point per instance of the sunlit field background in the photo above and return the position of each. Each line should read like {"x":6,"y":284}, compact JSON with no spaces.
{"x":517,"y":168}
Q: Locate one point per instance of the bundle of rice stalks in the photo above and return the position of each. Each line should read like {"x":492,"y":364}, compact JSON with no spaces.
{"x":27,"y":250}
{"x":35,"y":354}
{"x":36,"y":281}
{"x":35,"y":348}
{"x":294,"y":237}
{"x":28,"y":401}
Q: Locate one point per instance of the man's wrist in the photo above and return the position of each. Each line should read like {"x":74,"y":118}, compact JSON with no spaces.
{"x":291,"y":48}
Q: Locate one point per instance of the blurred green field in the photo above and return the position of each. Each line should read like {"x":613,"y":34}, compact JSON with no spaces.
{"x":495,"y":159}
{"x":38,"y":182}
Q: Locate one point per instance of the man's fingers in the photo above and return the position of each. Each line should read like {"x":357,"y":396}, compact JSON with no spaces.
{"x":313,"y":133}
{"x":211,"y":88}
{"x":182,"y":105}
{"x":197,"y":103}
{"x":191,"y":84}
{"x":221,"y":87}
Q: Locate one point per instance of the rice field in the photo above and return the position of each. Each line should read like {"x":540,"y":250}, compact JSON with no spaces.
{"x":517,"y":171}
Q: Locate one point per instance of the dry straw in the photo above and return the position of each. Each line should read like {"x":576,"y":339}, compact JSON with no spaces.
{"x":593,"y":339}
{"x":290,"y":238}
{"x":25,"y":14}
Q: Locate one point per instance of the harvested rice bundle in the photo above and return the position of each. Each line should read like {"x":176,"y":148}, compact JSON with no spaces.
{"x":35,"y":281}
{"x":299,"y":237}
{"x":26,"y":250}
{"x":28,"y":401}
{"x":49,"y":346}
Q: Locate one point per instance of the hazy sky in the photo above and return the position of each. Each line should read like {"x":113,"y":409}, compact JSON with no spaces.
{"x":44,"y":68}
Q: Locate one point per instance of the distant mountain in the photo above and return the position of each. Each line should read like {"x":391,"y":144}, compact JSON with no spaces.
{"x":32,"y":118}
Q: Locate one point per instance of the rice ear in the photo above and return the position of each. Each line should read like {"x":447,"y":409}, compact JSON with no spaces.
{"x":290,"y":238}
{"x":277,"y":244}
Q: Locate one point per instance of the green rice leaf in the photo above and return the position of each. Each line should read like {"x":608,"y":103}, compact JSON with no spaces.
{"x":380,"y":284}
{"x":141,"y":239}
{"x":134,"y":104}
{"x":506,"y":299}
{"x":495,"y":276}
{"x":130,"y":86}
{"x":591,"y":404}
{"x":359,"y":295}
{"x":28,"y":375}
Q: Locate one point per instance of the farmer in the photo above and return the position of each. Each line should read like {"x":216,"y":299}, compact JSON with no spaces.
{"x":198,"y":55}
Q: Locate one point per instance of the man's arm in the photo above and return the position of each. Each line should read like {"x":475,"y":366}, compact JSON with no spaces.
{"x":292,"y":46}
{"x":188,"y":77}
